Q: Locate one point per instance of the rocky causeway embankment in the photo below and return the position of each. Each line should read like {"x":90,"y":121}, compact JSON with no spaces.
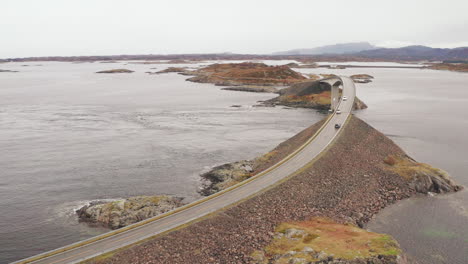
{"x":362,"y":172}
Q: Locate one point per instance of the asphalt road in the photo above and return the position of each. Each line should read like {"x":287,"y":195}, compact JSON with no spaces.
{"x":173,"y":220}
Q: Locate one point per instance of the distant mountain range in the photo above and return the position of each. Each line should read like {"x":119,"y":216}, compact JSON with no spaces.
{"x":343,"y":48}
{"x":367,"y":50}
{"x":358,"y":51}
{"x":416,"y":53}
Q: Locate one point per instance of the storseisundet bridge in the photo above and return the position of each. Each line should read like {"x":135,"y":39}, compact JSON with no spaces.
{"x":184,"y":215}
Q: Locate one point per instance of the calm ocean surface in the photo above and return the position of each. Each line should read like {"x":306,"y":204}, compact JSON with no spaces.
{"x":69,"y":136}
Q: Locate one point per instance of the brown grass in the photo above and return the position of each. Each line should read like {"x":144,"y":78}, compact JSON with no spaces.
{"x":344,"y":241}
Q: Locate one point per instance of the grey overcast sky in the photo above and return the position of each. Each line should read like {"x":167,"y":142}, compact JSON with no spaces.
{"x":104,"y":27}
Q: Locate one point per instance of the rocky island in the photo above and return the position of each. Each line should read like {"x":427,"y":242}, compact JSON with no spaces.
{"x":116,"y":71}
{"x":246,"y":73}
{"x":362,"y":78}
{"x":172,"y":69}
{"x":123,"y":212}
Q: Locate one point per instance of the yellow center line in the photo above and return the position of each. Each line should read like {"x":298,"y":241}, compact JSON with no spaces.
{"x":72,"y":256}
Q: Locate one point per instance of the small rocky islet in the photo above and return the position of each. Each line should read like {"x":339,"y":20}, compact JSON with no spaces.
{"x":362,"y":78}
{"x":116,"y":71}
{"x":123,"y":212}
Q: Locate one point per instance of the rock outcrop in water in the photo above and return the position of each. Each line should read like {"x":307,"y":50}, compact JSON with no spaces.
{"x":361,"y":78}
{"x":226,"y":175}
{"x":172,"y":69}
{"x":311,"y":94}
{"x":124,"y":212}
{"x":246,"y":73}
{"x":116,"y":71}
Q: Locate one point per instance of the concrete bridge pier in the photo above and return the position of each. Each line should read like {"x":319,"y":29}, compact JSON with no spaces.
{"x":335,"y":84}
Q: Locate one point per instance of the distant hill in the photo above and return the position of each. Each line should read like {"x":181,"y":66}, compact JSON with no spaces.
{"x":343,"y":48}
{"x":416,"y":53}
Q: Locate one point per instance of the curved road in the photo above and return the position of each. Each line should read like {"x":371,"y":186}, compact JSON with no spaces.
{"x":116,"y":239}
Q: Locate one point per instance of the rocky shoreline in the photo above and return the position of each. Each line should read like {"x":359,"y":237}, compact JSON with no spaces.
{"x":360,"y":174}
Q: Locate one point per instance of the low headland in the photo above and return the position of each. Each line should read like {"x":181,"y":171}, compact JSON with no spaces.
{"x":459,"y":67}
{"x":316,"y":215}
